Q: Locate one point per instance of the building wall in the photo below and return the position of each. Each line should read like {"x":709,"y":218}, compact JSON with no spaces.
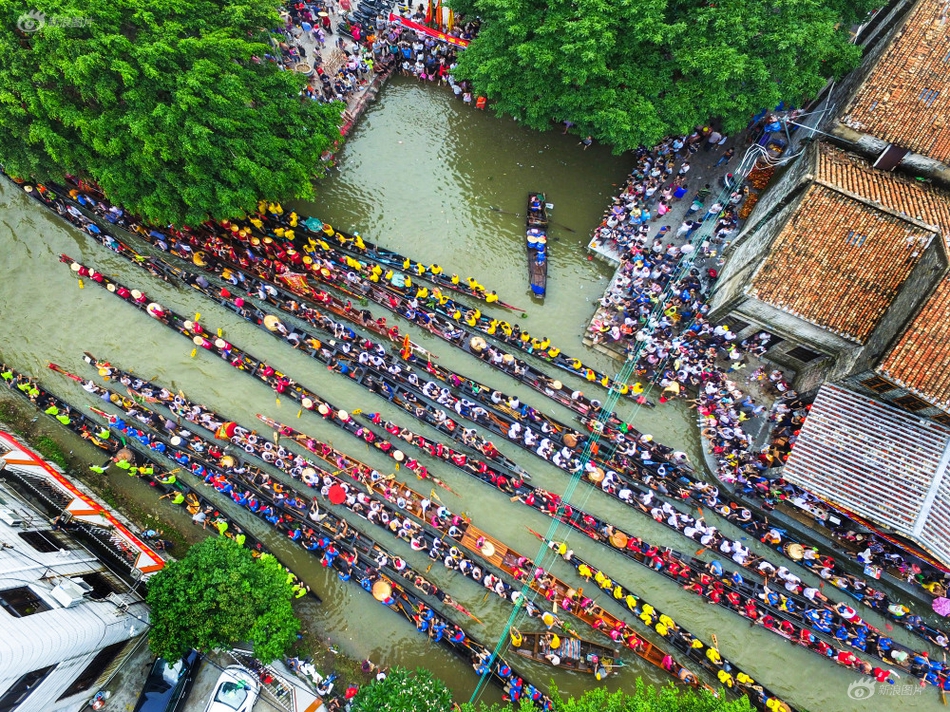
{"x":743,"y":259}
{"x":782,"y":188}
{"x":863,"y":143}
{"x":68,"y":639}
{"x":854,"y":382}
{"x":845,"y":357}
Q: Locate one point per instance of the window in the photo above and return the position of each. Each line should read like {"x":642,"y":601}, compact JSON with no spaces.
{"x":40,"y":541}
{"x":941,"y":418}
{"x":19,"y":602}
{"x":929,"y":96}
{"x":855,"y":238}
{"x":101,"y":585}
{"x":94,"y":669}
{"x":800,"y":353}
{"x":878,"y":385}
{"x":22,"y":688}
{"x":735,"y":325}
{"x":911,"y":403}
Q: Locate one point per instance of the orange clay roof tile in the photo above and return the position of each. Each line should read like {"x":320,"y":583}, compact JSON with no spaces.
{"x":906,"y":97}
{"x":920,"y":360}
{"x":841,"y":258}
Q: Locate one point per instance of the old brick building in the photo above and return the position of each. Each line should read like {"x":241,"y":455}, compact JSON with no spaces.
{"x":845,"y":257}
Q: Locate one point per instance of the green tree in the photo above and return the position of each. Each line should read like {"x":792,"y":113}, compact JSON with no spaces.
{"x":220,"y":595}
{"x":404,"y":691}
{"x":653,"y":699}
{"x":634,"y":71}
{"x":169,"y":105}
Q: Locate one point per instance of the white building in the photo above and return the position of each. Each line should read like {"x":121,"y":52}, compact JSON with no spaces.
{"x":67,"y":617}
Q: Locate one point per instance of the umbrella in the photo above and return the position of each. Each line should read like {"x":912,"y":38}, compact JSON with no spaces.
{"x":941,"y":606}
{"x":337,"y":495}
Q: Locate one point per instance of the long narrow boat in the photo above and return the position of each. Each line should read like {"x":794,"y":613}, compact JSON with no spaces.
{"x":574,"y":654}
{"x":536,"y":243}
{"x":149,"y":468}
{"x":409,"y":502}
{"x":302,"y":396}
{"x":292,"y":522}
{"x":359,"y":247}
{"x":275,"y":264}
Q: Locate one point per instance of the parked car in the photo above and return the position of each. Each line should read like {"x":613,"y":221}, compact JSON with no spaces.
{"x":235,"y":691}
{"x":167,"y":686}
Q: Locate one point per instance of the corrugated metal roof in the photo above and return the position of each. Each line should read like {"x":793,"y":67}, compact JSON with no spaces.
{"x":879,"y":462}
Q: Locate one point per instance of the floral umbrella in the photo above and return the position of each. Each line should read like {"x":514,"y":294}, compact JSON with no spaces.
{"x":941,"y":606}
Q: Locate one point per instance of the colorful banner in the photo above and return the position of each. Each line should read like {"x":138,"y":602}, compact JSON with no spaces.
{"x":393,"y":17}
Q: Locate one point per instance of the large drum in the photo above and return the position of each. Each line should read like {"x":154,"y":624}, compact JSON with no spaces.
{"x":796,"y":552}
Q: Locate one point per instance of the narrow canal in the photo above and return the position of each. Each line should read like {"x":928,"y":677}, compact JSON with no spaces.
{"x":420,"y":174}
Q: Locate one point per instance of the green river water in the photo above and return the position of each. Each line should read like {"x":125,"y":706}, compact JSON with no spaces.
{"x":419,"y":174}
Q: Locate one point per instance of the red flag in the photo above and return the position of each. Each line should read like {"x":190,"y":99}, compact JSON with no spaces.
{"x":429,"y":13}
{"x":437,"y":13}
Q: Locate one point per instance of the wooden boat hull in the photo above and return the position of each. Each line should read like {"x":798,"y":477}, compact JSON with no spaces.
{"x":536,"y":245}
{"x":576,"y":654}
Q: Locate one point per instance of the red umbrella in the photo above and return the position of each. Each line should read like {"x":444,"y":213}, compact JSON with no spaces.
{"x":336,"y":495}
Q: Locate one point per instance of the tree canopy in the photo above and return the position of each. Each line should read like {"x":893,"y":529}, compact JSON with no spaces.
{"x":171,"y":106}
{"x":633,"y":71}
{"x":220,"y":595}
{"x":404,"y":691}
{"x":652,"y":699}
{"x":420,"y":691}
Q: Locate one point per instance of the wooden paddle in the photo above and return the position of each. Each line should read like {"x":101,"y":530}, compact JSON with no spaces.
{"x":59,"y":369}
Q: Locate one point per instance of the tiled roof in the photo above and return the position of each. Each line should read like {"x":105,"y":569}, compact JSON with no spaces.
{"x":841,"y":258}
{"x":906,"y":97}
{"x":894,"y":192}
{"x":920,"y":361}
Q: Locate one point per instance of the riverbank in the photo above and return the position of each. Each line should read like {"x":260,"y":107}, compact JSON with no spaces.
{"x":654,"y":309}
